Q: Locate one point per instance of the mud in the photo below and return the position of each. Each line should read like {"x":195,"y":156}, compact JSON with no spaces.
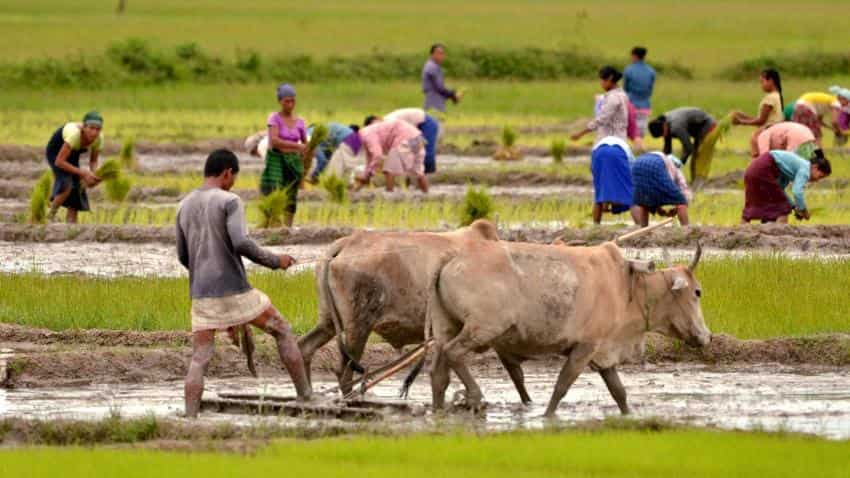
{"x":767,"y":397}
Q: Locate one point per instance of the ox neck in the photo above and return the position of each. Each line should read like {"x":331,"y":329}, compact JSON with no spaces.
{"x":647,"y":290}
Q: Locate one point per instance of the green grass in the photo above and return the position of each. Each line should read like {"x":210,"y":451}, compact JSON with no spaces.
{"x":706,"y":36}
{"x":793,"y":298}
{"x":573,"y":453}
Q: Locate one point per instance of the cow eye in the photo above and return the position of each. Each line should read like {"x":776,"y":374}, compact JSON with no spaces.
{"x":699,"y":292}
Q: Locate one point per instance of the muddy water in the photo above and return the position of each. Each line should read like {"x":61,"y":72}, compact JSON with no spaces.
{"x":160,"y":260}
{"x":806,"y":401}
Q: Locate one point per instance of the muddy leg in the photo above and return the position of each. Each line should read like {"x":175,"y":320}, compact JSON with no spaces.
{"x":356,"y":343}
{"x":577,"y":360}
{"x":473,"y":392}
{"x":439,"y":378}
{"x":612,"y":381}
{"x":514,"y":368}
{"x":314,"y":340}
{"x":203,"y":346}
{"x":275,"y":325}
{"x":71,"y":217}
{"x":456,"y":350}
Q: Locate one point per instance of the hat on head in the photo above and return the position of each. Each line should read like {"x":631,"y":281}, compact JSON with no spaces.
{"x":839,"y":91}
{"x":93,"y":118}
{"x":285,"y":90}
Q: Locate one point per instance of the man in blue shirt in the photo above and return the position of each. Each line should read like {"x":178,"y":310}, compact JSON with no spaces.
{"x":639,"y":80}
{"x":433,"y":85}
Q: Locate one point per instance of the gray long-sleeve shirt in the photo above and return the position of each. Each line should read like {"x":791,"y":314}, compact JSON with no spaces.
{"x":434,"y":88}
{"x":689,"y":125}
{"x":211,"y":241}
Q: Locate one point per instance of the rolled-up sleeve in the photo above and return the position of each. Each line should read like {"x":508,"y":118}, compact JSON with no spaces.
{"x":242,"y":244}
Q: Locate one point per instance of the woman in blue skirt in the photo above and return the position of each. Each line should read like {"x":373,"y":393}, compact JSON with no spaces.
{"x":612,"y":177}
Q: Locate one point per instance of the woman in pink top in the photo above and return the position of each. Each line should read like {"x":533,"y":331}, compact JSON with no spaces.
{"x":788,"y":136}
{"x":399,"y":147}
{"x":284,"y":167}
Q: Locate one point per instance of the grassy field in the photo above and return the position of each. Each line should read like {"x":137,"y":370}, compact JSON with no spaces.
{"x":706,"y":37}
{"x":583,"y":454}
{"x":794,"y":298}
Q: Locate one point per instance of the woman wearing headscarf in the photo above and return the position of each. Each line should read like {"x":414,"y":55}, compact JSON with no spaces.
{"x":612,"y":178}
{"x":771,"y":108}
{"x":63,"y":153}
{"x":287,"y":138}
{"x":612,"y":119}
{"x":659,"y":182}
{"x":816,"y":109}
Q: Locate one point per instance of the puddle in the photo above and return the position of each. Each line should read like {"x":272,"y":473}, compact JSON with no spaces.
{"x":732,"y":398}
{"x":117,"y":259}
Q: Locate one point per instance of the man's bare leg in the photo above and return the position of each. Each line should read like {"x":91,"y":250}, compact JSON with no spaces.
{"x":275,"y":325}
{"x":597,"y":213}
{"x":422,"y":182}
{"x":71,"y":217}
{"x":390,"y":180}
{"x":203,"y":346}
{"x":682,"y":213}
{"x":57,"y":202}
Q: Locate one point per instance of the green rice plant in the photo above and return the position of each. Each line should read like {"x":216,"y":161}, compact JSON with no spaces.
{"x":40,"y":198}
{"x":319,"y":135}
{"x":118,"y":188}
{"x":557,"y":150}
{"x":127,"y":155}
{"x":507,"y":151}
{"x":336,"y":188}
{"x":271,"y":208}
{"x":477,"y":204}
{"x":508,"y":137}
{"x":109,"y":170}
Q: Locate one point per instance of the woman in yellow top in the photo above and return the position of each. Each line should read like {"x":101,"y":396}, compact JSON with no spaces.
{"x":814,"y":107}
{"x":64,"y":149}
{"x":770,"y":109}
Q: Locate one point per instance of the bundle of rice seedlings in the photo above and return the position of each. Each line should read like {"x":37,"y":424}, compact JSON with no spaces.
{"x":558,"y":149}
{"x":724,"y":126}
{"x":40,"y":198}
{"x":477,"y":204}
{"x":110,"y":169}
{"x":507,"y":151}
{"x":336,"y":188}
{"x":319,"y":135}
{"x":128,"y":154}
{"x":272,"y":208}
{"x":118,"y":188}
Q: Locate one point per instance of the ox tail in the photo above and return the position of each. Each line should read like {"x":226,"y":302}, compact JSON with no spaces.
{"x":328,"y":297}
{"x":434,"y":295}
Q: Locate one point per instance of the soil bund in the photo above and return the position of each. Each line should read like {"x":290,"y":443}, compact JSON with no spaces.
{"x":43,"y":358}
{"x":766,"y":237}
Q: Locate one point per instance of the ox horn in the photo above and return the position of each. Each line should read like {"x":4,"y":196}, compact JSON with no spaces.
{"x":695,"y":262}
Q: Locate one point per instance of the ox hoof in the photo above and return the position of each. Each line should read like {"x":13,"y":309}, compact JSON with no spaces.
{"x":466,"y":402}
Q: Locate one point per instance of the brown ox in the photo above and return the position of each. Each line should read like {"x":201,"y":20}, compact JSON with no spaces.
{"x":380,"y":281}
{"x":586,"y":303}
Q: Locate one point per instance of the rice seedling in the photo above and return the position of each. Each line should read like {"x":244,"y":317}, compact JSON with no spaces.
{"x":477,"y":204}
{"x":117,"y":189}
{"x":40,"y":198}
{"x":507,"y":150}
{"x":318,"y":136}
{"x":127,"y":155}
{"x":109,"y":170}
{"x":271,"y":208}
{"x":557,"y":150}
{"x":336,"y":188}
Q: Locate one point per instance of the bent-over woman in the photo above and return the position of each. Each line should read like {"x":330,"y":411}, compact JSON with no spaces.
{"x":612,"y":177}
{"x":659,"y":182}
{"x":766,"y":179}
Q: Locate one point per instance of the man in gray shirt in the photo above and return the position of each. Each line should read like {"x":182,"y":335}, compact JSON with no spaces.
{"x":695,"y":129}
{"x":211,"y":241}
{"x":433,"y":85}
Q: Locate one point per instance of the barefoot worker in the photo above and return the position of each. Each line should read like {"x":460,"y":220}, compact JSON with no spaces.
{"x":64,"y":149}
{"x":766,"y":179}
{"x":211,"y":242}
{"x":698,"y":133}
{"x":397,"y":148}
{"x":284,"y":167}
{"x":659,"y":182}
{"x":337,"y":133}
{"x":612,"y":178}
{"x":430,"y":128}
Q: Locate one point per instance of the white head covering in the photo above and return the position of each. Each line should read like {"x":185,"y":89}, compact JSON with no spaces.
{"x":615,"y":141}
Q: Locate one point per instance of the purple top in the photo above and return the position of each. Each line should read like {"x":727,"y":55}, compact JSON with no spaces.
{"x":434,"y":88}
{"x":353,"y":141}
{"x":295,"y":134}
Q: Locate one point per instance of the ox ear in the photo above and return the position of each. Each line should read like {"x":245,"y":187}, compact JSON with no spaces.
{"x":679,"y":283}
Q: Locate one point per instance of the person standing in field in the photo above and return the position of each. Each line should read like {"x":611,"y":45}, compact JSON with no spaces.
{"x":639,"y":82}
{"x":63,"y":152}
{"x":766,"y":179}
{"x":812,"y":109}
{"x":425,"y":123}
{"x":788,"y":136}
{"x":771,"y":108}
{"x":211,"y":242}
{"x":612,"y":178}
{"x":612,"y":118}
{"x":397,"y":148}
{"x":698,"y":133}
{"x":433,"y":82}
{"x":287,"y":136}
{"x":659,"y":182}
